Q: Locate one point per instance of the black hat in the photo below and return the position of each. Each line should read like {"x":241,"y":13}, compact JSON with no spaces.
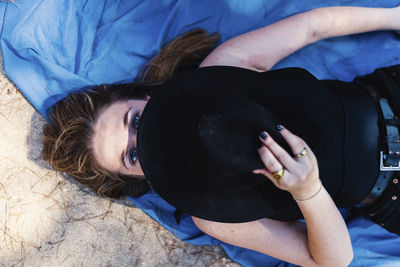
{"x":197,"y":145}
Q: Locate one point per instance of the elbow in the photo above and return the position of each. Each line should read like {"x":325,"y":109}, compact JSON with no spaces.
{"x":348,"y":255}
{"x":314,"y":26}
{"x":344,"y":261}
{"x":341,"y":260}
{"x":339,"y":256}
{"x":349,"y":258}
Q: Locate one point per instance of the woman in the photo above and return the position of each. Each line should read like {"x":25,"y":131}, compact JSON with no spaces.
{"x":93,"y":137}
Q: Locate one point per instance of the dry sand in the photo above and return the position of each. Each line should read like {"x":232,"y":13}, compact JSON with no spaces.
{"x":46,"y":219}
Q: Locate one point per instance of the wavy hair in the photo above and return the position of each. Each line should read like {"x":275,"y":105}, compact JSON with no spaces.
{"x":67,"y":138}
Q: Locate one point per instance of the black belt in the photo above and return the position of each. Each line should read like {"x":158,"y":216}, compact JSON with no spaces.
{"x":390,"y":152}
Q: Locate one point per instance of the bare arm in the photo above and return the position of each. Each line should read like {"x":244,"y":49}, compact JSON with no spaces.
{"x":288,"y":241}
{"x":261,"y":49}
{"x":322,"y":241}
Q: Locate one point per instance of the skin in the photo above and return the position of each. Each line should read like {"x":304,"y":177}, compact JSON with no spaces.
{"x":323,"y":240}
{"x":115,"y":135}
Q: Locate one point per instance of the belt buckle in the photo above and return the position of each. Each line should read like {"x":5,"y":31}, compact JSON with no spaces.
{"x":387,"y":168}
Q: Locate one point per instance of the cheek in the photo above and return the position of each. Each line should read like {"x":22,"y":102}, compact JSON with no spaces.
{"x":138,"y":169}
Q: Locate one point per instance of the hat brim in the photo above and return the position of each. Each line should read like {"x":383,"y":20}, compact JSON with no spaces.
{"x":159,"y":141}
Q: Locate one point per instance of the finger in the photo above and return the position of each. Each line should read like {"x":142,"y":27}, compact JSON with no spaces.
{"x":285,"y":159}
{"x":263,"y":172}
{"x":270,"y":162}
{"x":295,"y":143}
{"x":302,"y":154}
{"x":267,"y":174}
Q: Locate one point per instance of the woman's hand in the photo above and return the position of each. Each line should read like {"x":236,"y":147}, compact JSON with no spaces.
{"x":300,"y":174}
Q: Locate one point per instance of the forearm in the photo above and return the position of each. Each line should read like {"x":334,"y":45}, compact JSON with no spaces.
{"x":328,"y":238}
{"x":338,"y":21}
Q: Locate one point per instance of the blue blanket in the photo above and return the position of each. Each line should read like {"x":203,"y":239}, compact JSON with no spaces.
{"x":50,"y":48}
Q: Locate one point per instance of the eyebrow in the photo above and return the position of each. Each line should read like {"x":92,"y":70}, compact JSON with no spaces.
{"x":126,"y":118}
{"x":123,"y":153}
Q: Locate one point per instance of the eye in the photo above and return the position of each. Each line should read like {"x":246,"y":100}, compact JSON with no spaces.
{"x":135,"y":121}
{"x":133,"y":156}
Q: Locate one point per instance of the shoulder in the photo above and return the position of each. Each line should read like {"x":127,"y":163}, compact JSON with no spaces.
{"x":227,"y":57}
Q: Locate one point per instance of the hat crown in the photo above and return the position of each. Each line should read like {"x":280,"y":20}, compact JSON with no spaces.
{"x":222,"y":145}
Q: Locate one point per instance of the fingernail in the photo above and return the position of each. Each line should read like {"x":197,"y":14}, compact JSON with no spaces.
{"x":263,"y":135}
{"x":279,"y":127}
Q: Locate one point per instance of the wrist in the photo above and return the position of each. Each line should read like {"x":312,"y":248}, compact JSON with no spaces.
{"x":309,"y":193}
{"x":393,"y":22}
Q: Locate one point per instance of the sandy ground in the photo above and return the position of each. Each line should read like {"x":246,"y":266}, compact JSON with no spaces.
{"x":46,"y":219}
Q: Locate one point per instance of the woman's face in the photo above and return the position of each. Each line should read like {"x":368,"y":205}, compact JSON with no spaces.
{"x":114,"y":140}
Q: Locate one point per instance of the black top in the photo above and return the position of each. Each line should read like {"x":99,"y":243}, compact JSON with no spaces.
{"x":361,"y":137}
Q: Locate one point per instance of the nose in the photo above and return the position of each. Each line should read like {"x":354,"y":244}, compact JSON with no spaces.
{"x":131,"y":138}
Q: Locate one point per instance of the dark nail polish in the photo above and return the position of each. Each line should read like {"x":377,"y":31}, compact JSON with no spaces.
{"x":263,"y":135}
{"x":279,"y":127}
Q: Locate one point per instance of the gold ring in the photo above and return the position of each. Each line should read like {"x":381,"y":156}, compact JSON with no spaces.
{"x":278,"y":174}
{"x":303,"y":153}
